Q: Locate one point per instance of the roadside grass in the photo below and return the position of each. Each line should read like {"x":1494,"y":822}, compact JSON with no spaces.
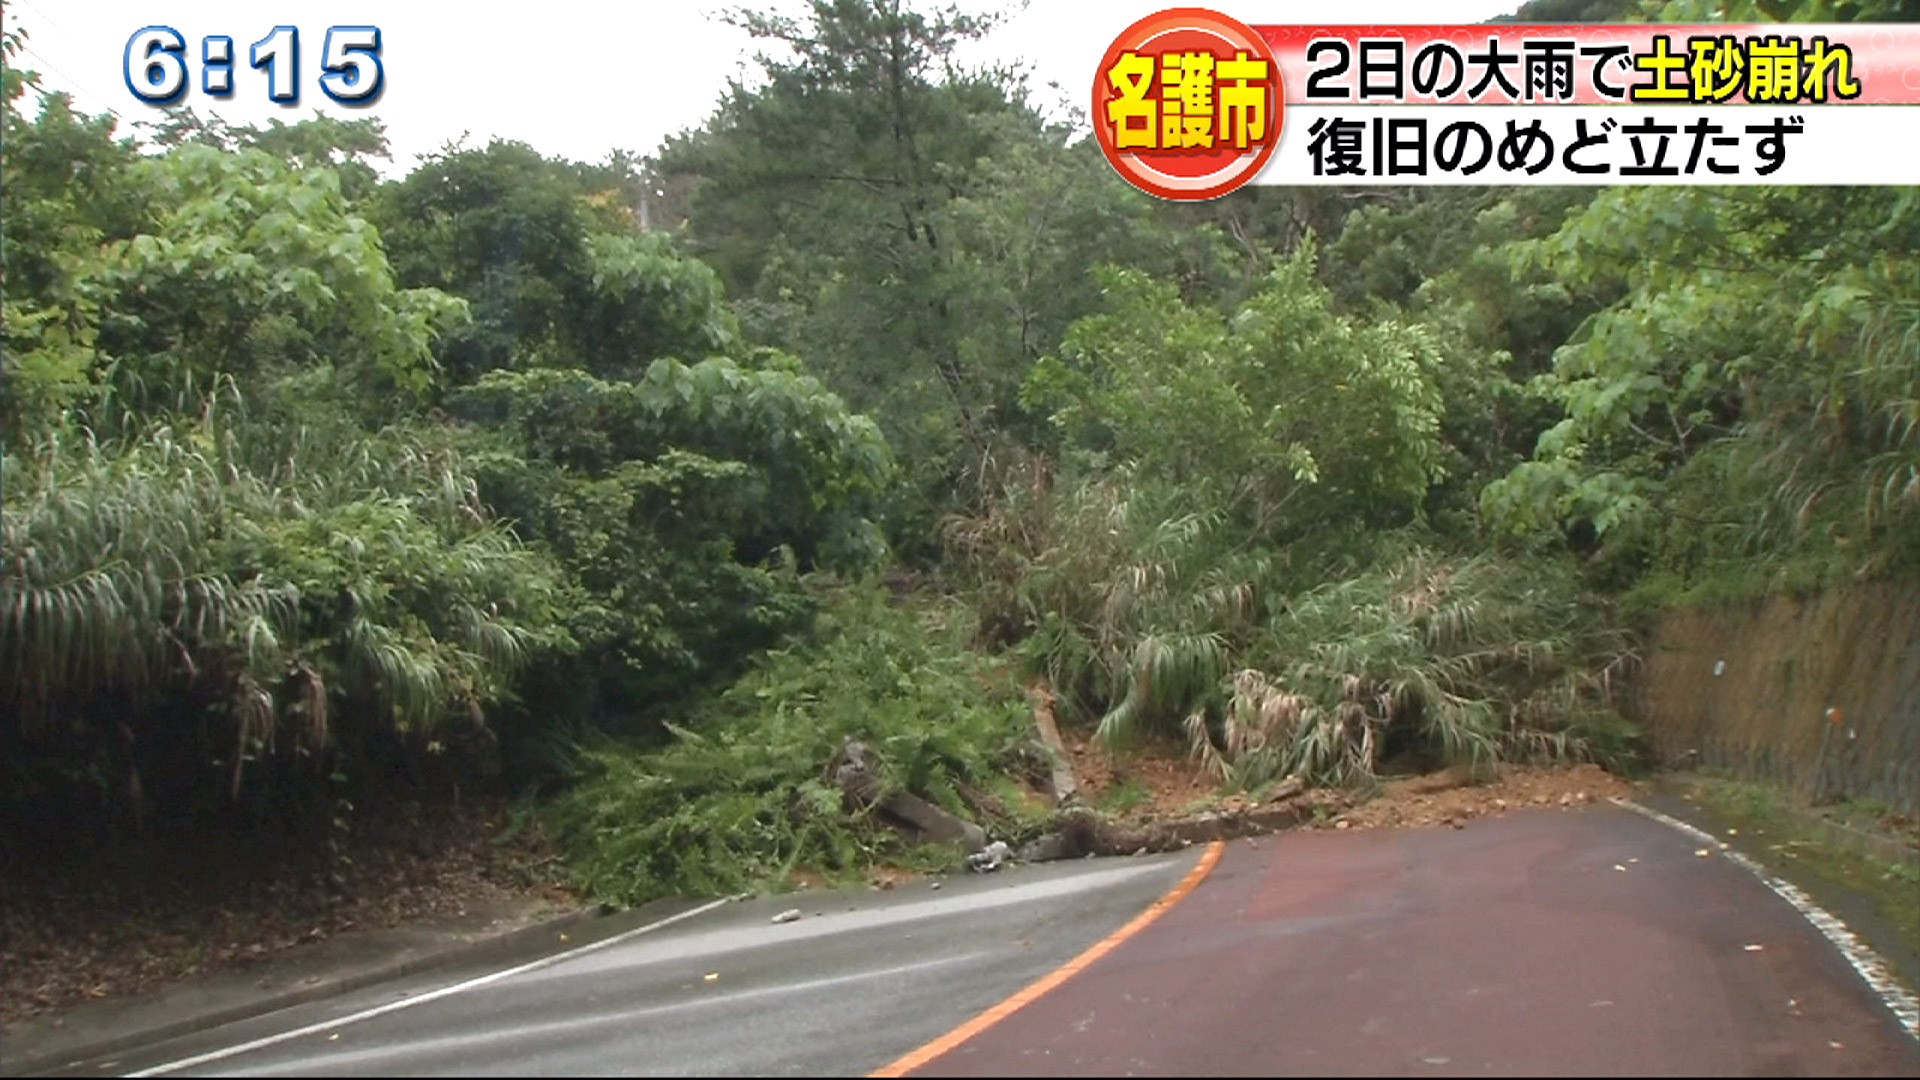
{"x":1870,"y":816}
{"x":1127,"y":795}
{"x":1875,"y":816}
{"x":1786,"y":838}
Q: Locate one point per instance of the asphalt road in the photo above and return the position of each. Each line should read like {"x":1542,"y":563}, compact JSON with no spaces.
{"x":1544,"y":942}
{"x":857,"y":980}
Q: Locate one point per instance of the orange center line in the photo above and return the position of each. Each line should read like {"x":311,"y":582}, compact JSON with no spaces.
{"x":916,"y":1058}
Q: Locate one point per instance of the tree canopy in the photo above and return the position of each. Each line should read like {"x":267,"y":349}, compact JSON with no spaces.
{"x":320,"y":481}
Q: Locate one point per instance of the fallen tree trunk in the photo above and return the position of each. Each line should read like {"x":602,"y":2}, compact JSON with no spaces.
{"x":1064,"y":785}
{"x":1076,"y":832}
{"x":1080,"y":832}
{"x":852,"y":771}
{"x":931,"y":823}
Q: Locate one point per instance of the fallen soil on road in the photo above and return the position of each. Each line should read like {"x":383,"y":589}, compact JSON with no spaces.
{"x":1156,"y":783}
{"x":1454,"y":797}
{"x":1153,"y":781}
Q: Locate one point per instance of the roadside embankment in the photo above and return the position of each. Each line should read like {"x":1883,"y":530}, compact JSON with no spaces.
{"x":1817,"y":695}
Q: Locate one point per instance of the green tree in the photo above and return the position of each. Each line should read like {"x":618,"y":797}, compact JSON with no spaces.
{"x":1284,"y":414}
{"x":684,"y":502}
{"x":1755,"y":11}
{"x":918,"y":232}
{"x":548,"y":255}
{"x":1752,"y":385}
{"x":347,"y":147}
{"x":823,"y":187}
{"x":1572,"y":11}
{"x":248,"y":267}
{"x":63,"y":189}
{"x":1442,"y":257}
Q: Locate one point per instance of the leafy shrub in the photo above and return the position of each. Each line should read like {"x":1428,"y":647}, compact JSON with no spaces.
{"x":684,"y":503}
{"x":739,"y":797}
{"x":1281,"y":415}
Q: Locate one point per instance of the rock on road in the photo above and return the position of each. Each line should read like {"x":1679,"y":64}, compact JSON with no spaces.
{"x":1542,"y":942}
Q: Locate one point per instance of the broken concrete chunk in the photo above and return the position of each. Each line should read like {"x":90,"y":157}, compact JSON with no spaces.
{"x":853,"y":771}
{"x":1064,"y":785}
{"x":989,"y":858}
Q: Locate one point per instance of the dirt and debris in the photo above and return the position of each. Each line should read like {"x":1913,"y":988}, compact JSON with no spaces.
{"x":1152,"y":780}
{"x":989,"y":858}
{"x":1148,"y":800}
{"x":878,"y":877}
{"x":69,"y":936}
{"x":1453,"y":797}
{"x":1157,"y":782}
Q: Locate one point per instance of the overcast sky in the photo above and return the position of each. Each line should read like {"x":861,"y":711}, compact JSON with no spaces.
{"x":570,"y":78}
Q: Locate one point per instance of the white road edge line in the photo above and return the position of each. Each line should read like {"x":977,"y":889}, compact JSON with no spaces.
{"x":1865,"y":961}
{"x":344,"y":1061}
{"x":432,"y":995}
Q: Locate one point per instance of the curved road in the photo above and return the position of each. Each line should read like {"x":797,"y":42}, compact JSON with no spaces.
{"x":1543,"y":942}
{"x":1540,"y":944}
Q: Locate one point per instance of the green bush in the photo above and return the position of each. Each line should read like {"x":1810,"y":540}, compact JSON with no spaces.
{"x":167,"y":610}
{"x":739,"y":797}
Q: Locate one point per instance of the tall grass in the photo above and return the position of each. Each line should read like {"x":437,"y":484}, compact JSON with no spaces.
{"x":113,"y":580}
{"x":160,"y":568}
{"x":1154,"y":620}
{"x":1101,"y":581}
{"x":1472,"y":659}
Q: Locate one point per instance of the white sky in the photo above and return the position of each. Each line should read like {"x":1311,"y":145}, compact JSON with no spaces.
{"x":569,"y":78}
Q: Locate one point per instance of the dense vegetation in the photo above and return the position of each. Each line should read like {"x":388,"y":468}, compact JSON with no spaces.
{"x":323,"y":488}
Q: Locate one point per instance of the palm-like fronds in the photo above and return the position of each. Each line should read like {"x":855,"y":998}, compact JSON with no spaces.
{"x":1139,"y":615}
{"x":163,"y":565}
{"x":109,"y":581}
{"x":1171,"y":677}
{"x":1481,"y":658}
